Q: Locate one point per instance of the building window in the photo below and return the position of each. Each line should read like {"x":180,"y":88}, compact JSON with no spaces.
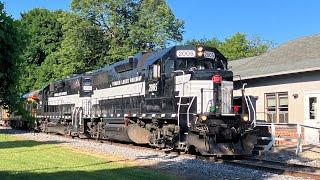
{"x":312,"y":107}
{"x":283,"y":107}
{"x":271,"y":107}
{"x":277,"y":107}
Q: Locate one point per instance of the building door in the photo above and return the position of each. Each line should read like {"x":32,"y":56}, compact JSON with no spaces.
{"x":312,"y":117}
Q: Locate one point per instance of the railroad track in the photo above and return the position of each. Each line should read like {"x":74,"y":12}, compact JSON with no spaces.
{"x":278,"y":167}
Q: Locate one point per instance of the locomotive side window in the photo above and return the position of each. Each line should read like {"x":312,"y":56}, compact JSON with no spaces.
{"x":100,"y":80}
{"x":60,"y":87}
{"x":74,"y":86}
{"x":168,"y":68}
{"x":220,"y":64}
{"x":87,"y":81}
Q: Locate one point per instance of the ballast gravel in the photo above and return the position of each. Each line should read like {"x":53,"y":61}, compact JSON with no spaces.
{"x":187,"y":167}
{"x":289,"y":156}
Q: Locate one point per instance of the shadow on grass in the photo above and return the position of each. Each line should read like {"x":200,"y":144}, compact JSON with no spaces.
{"x":187,"y":169}
{"x":56,"y":168}
{"x":21,"y":143}
{"x":25,"y":143}
{"x":118,"y":173}
{"x":9,"y":130}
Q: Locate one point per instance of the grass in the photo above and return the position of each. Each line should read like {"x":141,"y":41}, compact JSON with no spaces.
{"x":25,"y":159}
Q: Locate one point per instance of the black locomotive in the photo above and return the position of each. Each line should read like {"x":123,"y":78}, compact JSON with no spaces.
{"x":175,"y":98}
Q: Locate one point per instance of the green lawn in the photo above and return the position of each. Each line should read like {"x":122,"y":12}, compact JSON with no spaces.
{"x":25,"y":159}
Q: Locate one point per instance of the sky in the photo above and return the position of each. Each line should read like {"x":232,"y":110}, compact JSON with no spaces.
{"x":275,"y":20}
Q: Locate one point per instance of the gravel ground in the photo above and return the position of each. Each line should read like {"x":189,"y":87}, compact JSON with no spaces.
{"x":309,"y":157}
{"x":185,"y":166}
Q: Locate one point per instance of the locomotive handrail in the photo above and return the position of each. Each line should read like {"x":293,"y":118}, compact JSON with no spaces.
{"x":248,"y":100}
{"x":72,"y":117}
{"x":75,"y":117}
{"x":183,"y":73}
{"x":96,"y":100}
{"x":164,"y":97}
{"x":254,"y":122}
{"x":188,"y":111}
{"x":179,"y":106}
{"x":279,"y":124}
{"x":245,"y":98}
{"x":108,"y":97}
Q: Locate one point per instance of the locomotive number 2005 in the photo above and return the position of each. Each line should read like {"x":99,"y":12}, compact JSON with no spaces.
{"x":186,"y":53}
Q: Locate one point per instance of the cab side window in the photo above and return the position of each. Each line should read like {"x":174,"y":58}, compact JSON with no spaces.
{"x":168,"y":68}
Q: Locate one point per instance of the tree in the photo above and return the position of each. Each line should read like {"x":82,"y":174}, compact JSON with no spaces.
{"x":98,"y":33}
{"x":214,"y":42}
{"x":10,"y":45}
{"x":155,"y":25}
{"x":43,"y":36}
{"x":131,"y":25}
{"x":239,"y":46}
{"x":83,"y":47}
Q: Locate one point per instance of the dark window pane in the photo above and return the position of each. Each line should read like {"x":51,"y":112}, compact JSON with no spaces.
{"x":271,"y":117}
{"x":312,"y":107}
{"x":283,"y":117}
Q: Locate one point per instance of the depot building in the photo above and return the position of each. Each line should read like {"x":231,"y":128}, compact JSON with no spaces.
{"x":285,"y":82}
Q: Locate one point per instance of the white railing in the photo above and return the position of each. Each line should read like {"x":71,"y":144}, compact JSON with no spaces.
{"x":249,"y":106}
{"x":273,"y":137}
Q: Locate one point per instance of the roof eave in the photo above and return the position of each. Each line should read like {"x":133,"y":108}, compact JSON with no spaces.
{"x":236,"y":78}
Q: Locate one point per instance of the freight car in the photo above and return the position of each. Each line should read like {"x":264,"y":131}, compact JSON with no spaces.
{"x":15,"y":118}
{"x":175,"y":98}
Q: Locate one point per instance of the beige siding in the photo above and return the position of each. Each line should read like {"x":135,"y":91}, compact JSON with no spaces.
{"x":303,"y":84}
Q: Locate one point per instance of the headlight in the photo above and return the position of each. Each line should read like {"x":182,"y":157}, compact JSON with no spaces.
{"x":200,"y":51}
{"x":200,"y":48}
{"x":245,"y":117}
{"x":203,"y":117}
{"x":200,"y":54}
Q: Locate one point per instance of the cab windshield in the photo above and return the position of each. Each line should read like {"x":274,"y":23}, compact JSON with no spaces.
{"x":199,"y":64}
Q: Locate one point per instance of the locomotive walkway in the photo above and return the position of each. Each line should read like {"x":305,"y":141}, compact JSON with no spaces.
{"x":137,"y":158}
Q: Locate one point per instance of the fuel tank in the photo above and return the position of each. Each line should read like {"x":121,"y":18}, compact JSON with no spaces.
{"x":116,"y":132}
